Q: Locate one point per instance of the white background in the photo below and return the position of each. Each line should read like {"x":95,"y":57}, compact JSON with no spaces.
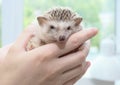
{"x":12,"y":20}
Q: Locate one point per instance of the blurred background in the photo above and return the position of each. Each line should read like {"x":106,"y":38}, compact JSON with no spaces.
{"x":15,"y":15}
{"x":95,"y":13}
{"x":92,"y":11}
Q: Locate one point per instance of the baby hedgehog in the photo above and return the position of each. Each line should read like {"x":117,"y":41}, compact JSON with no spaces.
{"x":56,"y":25}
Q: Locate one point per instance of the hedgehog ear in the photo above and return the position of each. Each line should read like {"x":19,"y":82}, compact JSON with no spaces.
{"x":78,"y":20}
{"x":41,"y":20}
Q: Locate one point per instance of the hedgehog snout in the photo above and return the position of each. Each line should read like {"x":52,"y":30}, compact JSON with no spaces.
{"x":62,"y":38}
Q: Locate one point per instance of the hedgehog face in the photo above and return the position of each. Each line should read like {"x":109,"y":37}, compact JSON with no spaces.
{"x":58,"y":24}
{"x":59,"y":31}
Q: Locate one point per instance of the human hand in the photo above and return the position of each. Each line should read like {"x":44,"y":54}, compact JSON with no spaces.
{"x":43,"y":66}
{"x":3,"y":52}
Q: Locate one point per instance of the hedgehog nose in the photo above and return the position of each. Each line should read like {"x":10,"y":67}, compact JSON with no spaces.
{"x":62,"y":38}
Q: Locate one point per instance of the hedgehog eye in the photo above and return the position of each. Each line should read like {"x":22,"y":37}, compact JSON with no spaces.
{"x":52,"y":27}
{"x":68,"y":28}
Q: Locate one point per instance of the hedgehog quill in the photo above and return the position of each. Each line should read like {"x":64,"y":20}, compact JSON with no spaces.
{"x":56,"y":25}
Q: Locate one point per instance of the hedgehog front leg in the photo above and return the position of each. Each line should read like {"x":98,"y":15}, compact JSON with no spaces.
{"x":33,"y":43}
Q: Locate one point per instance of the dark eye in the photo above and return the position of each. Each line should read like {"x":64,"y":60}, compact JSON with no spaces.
{"x":68,"y":28}
{"x":52,"y":27}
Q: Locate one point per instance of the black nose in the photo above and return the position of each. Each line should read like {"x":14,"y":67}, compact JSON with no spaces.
{"x":62,"y":38}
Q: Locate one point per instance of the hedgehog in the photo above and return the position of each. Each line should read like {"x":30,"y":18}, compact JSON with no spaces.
{"x":56,"y":25}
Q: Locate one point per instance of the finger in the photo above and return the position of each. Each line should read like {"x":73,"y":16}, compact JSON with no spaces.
{"x":72,"y":81}
{"x":77,"y":39}
{"x":84,"y":50}
{"x":83,"y":45}
{"x":75,"y":79}
{"x":85,"y":68}
{"x":24,"y":38}
{"x":72,"y":73}
{"x":54,"y":50}
{"x":72,"y":60}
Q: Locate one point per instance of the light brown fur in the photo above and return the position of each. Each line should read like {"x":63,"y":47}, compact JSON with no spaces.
{"x":57,"y":25}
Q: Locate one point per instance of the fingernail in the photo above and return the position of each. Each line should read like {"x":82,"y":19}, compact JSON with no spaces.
{"x":88,"y":64}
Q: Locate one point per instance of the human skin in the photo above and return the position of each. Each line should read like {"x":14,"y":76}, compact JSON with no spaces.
{"x":43,"y":65}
